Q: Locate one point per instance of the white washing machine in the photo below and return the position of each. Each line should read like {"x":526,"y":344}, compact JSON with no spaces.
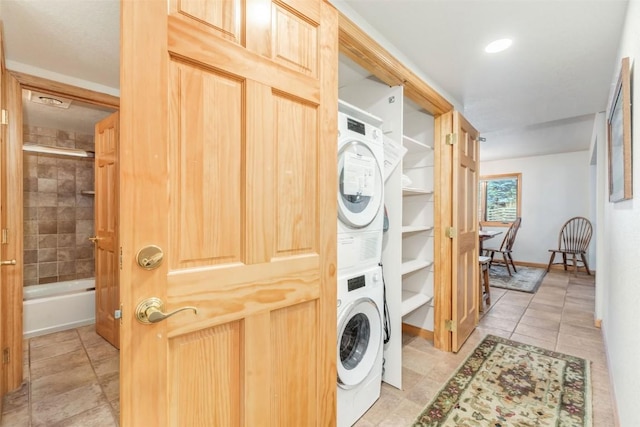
{"x":360,"y":189}
{"x":360,"y":343}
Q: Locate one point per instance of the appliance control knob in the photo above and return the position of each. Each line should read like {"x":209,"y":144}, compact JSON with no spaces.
{"x":376,"y":134}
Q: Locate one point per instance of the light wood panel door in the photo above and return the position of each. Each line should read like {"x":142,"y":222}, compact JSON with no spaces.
{"x":465,"y":221}
{"x":456,"y":231}
{"x":228,"y":164}
{"x":106,"y":226}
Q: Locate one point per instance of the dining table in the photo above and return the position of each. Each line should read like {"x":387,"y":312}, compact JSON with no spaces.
{"x":486,"y":235}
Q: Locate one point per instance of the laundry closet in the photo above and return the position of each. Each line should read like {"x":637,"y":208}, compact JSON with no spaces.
{"x":429,"y":253}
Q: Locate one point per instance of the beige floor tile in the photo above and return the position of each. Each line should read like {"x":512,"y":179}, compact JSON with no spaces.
{"x":548,"y":300}
{"x":89,"y":336}
{"x":544,"y":307}
{"x":55,"y":364}
{"x":535,"y":332}
{"x":516,"y":298}
{"x":111,"y":386}
{"x":100,"y":416}
{"x":59,"y":407}
{"x":107,"y":366}
{"x":403,"y":415}
{"x":417,"y":361}
{"x":498,"y":323}
{"x":100,"y":351}
{"x":484,"y":331}
{"x":53,"y":349}
{"x":62,"y":382}
{"x":543,"y":314}
{"x":542,"y":343}
{"x":589,"y":332}
{"x":506,"y":311}
{"x":16,"y":418}
{"x":16,"y":399}
{"x":55,"y":338}
{"x":548,"y":324}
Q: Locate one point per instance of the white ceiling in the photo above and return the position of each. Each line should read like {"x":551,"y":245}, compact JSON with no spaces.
{"x":537,"y":97}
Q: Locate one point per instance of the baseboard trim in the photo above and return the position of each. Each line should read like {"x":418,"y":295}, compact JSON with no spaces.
{"x":553,"y":266}
{"x":417,"y":332}
{"x":612,"y":392}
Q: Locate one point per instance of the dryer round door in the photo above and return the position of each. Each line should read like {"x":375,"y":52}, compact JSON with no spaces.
{"x":360,"y":186}
{"x":359,"y":340}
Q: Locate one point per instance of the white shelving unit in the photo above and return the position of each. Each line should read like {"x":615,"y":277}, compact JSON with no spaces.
{"x":417,"y":218}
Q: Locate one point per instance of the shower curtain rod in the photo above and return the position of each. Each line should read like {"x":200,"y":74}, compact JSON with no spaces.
{"x":43,"y":149}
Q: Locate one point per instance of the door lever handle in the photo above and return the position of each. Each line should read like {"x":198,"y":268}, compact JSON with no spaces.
{"x":9,"y":262}
{"x":151,"y":310}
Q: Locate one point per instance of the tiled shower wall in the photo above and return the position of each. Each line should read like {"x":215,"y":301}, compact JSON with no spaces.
{"x":58,"y":218}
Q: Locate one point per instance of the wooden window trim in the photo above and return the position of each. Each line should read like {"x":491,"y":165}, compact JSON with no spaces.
{"x":483,"y":199}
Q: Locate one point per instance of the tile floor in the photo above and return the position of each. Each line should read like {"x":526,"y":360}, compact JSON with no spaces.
{"x":71,"y":380}
{"x":558,"y":317}
{"x":73,"y":375}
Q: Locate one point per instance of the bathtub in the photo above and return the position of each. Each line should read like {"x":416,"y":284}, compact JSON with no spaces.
{"x":58,"y":306}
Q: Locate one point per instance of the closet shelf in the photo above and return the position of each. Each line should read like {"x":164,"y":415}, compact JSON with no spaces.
{"x":415,"y":228}
{"x":88,"y":193}
{"x":414,"y":146}
{"x":413,"y":300}
{"x":410,"y":191}
{"x":411,"y":265}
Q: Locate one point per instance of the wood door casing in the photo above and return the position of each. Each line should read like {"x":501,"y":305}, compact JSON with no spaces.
{"x":228,"y":153}
{"x":465,"y":279}
{"x":106,"y":227}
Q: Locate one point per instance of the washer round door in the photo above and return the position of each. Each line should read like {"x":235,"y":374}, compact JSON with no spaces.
{"x":360,"y":186}
{"x":359,"y":340}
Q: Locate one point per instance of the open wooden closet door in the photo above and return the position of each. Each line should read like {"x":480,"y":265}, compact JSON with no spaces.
{"x":106,"y":226}
{"x":457,"y":167}
{"x":228,"y":148}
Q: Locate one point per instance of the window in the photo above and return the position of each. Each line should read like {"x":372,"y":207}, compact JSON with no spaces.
{"x":499,"y":199}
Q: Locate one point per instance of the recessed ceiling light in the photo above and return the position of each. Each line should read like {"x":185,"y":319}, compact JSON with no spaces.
{"x":498,"y":45}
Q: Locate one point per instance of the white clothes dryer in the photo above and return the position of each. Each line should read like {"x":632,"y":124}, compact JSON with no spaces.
{"x":360,"y":343}
{"x":360,"y":189}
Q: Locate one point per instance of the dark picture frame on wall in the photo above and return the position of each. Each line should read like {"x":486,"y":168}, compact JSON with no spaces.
{"x":619,"y":138}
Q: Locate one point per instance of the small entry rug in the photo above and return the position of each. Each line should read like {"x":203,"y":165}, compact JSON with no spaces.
{"x":506,"y":383}
{"x":527,"y":279}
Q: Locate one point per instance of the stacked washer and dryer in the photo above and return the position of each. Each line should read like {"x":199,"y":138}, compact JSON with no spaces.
{"x":360,"y":284}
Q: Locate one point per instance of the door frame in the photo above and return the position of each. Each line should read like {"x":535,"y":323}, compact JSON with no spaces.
{"x":12,"y":301}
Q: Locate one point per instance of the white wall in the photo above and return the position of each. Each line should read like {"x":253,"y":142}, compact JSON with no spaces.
{"x":621,"y":309}
{"x":554,"y":188}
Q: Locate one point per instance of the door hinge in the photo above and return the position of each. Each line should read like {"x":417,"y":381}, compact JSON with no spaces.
{"x":450,"y":325}
{"x":5,"y":236}
{"x":120,"y":257}
{"x":118,"y":314}
{"x":451,"y":138}
{"x":4,"y":117}
{"x":451,"y":232}
{"x":6,"y":355}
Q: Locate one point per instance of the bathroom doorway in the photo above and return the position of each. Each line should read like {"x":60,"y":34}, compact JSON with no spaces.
{"x":50,"y":235}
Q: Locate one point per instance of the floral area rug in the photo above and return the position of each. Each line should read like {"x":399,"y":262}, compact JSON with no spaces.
{"x":527,"y":279}
{"x":506,"y":383}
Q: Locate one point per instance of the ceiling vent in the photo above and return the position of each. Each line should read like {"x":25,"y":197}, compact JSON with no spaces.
{"x":48,"y":99}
